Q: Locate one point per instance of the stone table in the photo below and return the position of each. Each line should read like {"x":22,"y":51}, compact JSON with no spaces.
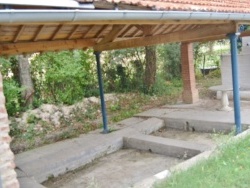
{"x":224,"y":97}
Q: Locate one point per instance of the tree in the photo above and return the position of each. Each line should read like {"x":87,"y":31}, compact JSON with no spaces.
{"x":150,"y":69}
{"x":169,"y":57}
{"x":25,"y":80}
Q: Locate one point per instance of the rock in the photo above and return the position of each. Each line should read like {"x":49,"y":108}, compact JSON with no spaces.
{"x":50,"y":108}
{"x":93,"y":100}
{"x":55,"y":118}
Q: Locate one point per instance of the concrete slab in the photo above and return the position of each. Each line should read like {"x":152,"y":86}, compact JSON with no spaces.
{"x":164,"y":146}
{"x":149,"y":126}
{"x":200,"y":120}
{"x":155,"y":112}
{"x":58,"y":158}
{"x":61,"y":157}
{"x":29,"y":183}
{"x":121,"y":169}
{"x":55,"y":159}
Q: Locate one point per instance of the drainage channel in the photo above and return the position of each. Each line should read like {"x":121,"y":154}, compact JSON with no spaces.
{"x":123,"y":168}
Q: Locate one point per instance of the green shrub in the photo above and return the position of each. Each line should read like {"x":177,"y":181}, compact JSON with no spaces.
{"x":64,"y":77}
{"x":12,"y":93}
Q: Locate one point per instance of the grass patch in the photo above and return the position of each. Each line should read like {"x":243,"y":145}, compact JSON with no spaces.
{"x":228,"y":168}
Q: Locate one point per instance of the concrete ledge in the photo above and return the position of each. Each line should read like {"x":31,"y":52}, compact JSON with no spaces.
{"x":149,"y":182}
{"x":199,"y":125}
{"x":164,"y":146}
{"x":149,"y":126}
{"x":55,"y":159}
{"x":29,"y":183}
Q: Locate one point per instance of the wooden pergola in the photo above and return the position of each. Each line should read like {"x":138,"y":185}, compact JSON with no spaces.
{"x":117,"y":24}
{"x":22,"y":37}
{"x":29,"y":29}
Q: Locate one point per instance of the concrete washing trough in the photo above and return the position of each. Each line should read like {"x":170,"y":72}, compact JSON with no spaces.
{"x":132,"y":156}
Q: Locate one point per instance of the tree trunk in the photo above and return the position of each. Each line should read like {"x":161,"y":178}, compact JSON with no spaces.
{"x":25,"y":80}
{"x":150,"y":70}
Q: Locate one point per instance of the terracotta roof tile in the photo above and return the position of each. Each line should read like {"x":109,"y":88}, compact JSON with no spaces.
{"x":240,"y":6}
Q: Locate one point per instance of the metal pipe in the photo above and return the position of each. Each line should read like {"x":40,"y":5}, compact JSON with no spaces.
{"x":235,"y":77}
{"x":103,"y":105}
{"x":20,"y":16}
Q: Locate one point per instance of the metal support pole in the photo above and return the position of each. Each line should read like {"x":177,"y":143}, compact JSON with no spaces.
{"x":235,"y":77}
{"x":99,"y":71}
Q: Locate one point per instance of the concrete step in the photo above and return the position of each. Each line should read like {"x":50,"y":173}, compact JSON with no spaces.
{"x":164,"y":146}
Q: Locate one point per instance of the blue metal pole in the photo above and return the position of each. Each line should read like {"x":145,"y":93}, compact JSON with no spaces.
{"x":99,"y":71}
{"x":235,"y":77}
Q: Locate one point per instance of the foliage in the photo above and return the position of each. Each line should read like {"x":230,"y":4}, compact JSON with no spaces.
{"x":207,"y":54}
{"x":12,"y":91}
{"x":124,"y":69}
{"x":169,"y":57}
{"x":64,"y":77}
{"x":229,"y":168}
{"x":11,"y":88}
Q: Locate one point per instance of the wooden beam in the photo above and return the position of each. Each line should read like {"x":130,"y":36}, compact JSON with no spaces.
{"x":124,"y":33}
{"x":31,"y":47}
{"x":38,"y":33}
{"x":73,"y":32}
{"x":146,"y":29}
{"x":116,"y":30}
{"x":85,"y":35}
{"x":101,"y":31}
{"x":19,"y":33}
{"x":245,"y":33}
{"x":180,"y":36}
{"x":58,"y":29}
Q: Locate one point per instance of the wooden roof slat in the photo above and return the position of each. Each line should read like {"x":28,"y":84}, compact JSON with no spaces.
{"x":157,"y":29}
{"x":169,"y":29}
{"x":73,"y":32}
{"x":101,"y":31}
{"x":124,"y":33}
{"x":38,"y":33}
{"x":180,"y":36}
{"x":19,"y":33}
{"x":56,"y":32}
{"x":135,"y":32}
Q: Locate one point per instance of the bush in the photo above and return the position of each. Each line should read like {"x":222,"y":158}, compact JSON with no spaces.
{"x":12,"y":92}
{"x":65,"y":77}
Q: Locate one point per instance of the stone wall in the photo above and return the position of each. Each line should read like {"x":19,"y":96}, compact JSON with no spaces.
{"x":7,"y":172}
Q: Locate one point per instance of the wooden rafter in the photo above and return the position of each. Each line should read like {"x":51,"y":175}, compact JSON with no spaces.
{"x":101,"y":31}
{"x":157,"y":29}
{"x":73,"y":32}
{"x":169,"y":29}
{"x":180,"y":36}
{"x":19,"y":33}
{"x":124,"y":33}
{"x":58,"y":29}
{"x":85,"y":35}
{"x":116,"y":30}
{"x":38,"y":33}
{"x":31,"y":47}
{"x":146,"y":29}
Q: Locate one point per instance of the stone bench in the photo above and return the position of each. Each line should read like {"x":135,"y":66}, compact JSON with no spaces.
{"x":224,"y":97}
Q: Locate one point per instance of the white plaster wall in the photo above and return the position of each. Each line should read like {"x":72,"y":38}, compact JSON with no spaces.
{"x":244,"y":71}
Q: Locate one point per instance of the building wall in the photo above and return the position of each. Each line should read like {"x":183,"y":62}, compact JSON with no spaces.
{"x":244,"y":71}
{"x":7,"y":172}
